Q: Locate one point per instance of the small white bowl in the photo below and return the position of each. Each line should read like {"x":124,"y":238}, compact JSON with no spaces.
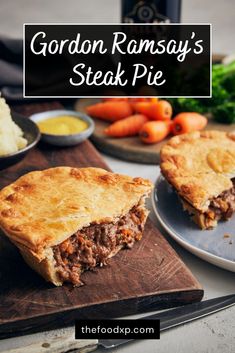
{"x":30,"y":132}
{"x":64,"y":140}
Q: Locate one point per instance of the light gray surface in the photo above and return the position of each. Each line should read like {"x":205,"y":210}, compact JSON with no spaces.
{"x":213,"y":334}
{"x":58,"y":341}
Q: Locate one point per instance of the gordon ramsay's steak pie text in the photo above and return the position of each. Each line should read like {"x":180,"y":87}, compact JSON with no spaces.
{"x":66,"y":220}
{"x":201,"y":167}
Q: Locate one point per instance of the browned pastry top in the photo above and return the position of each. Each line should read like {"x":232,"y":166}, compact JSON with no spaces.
{"x":43,"y":208}
{"x":200,"y":165}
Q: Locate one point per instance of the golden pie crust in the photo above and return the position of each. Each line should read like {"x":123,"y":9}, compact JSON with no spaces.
{"x":200,"y":165}
{"x":43,"y":208}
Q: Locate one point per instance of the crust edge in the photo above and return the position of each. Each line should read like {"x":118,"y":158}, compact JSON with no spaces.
{"x":44,"y":267}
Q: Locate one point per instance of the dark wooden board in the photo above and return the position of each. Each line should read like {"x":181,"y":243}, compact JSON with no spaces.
{"x":150,"y":276}
{"x":131,"y":148}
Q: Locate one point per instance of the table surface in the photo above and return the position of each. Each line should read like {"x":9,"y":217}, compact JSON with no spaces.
{"x":217,"y":332}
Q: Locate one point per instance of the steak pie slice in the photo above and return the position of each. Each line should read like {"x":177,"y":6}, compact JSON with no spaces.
{"x":66,"y":220}
{"x":201,"y":168}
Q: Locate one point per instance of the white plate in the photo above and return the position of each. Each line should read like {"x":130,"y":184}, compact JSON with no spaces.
{"x":210,"y":245}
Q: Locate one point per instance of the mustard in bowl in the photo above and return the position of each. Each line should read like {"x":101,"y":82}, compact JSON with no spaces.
{"x":63,"y":127}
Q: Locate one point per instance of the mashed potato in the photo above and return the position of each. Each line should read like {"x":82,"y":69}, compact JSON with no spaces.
{"x":11,"y":136}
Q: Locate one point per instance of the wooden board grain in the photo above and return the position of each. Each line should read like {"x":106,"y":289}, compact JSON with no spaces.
{"x":131,"y":148}
{"x":148,"y":277}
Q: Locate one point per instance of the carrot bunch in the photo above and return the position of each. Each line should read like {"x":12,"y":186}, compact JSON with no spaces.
{"x":149,"y":118}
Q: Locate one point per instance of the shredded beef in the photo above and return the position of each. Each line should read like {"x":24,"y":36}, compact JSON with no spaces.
{"x":223,"y":206}
{"x":93,"y":245}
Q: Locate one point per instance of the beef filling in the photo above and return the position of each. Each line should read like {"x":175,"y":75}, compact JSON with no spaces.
{"x":221,"y":207}
{"x":93,"y":245}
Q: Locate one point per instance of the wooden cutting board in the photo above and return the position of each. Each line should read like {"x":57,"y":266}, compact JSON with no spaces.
{"x":148,"y":277}
{"x":131,"y":148}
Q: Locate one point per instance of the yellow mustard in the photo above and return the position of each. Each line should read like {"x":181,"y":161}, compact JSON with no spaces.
{"x":62,"y":125}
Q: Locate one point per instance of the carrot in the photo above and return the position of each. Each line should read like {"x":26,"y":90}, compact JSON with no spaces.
{"x":154,"y":131}
{"x":131,"y":100}
{"x":153,"y":99}
{"x":156,"y":110}
{"x":117,"y":99}
{"x":110,"y":111}
{"x":188,"y":122}
{"x":161,"y":110}
{"x":135,"y":100}
{"x":126,"y":127}
{"x":142,"y":107}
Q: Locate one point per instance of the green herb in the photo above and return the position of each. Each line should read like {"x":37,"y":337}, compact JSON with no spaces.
{"x":225,"y":113}
{"x":187,"y":105}
{"x":222,"y":103}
